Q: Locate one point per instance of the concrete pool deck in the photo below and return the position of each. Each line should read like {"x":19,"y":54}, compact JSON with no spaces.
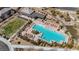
{"x":51,"y":35}
{"x":51,"y":28}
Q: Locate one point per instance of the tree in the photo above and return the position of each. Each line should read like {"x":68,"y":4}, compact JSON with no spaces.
{"x":77,"y":13}
{"x":35,"y":32}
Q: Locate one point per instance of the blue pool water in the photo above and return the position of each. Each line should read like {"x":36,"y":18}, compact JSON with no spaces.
{"x":48,"y":35}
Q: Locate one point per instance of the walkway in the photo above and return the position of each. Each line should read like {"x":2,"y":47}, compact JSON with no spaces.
{"x":39,"y":47}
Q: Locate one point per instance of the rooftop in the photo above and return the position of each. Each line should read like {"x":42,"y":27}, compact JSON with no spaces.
{"x":37,"y":15}
{"x":1,"y":8}
{"x":27,"y":10}
{"x":4,"y":10}
{"x":30,"y":13}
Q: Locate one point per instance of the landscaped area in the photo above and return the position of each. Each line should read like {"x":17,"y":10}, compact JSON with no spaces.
{"x":46,"y":28}
{"x":12,"y":26}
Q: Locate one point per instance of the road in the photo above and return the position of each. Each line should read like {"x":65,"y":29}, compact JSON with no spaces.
{"x":39,"y":47}
{"x":68,"y":8}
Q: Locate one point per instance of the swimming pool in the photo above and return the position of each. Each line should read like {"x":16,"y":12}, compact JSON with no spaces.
{"x":48,"y":35}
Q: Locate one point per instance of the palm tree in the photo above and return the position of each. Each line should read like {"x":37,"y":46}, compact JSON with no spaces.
{"x":67,"y":17}
{"x":77,"y":13}
{"x":63,"y":44}
{"x":61,"y":15}
{"x":54,"y":44}
{"x":35,"y":32}
{"x":19,"y":42}
{"x":53,"y":13}
{"x":29,"y":22}
{"x":69,"y":46}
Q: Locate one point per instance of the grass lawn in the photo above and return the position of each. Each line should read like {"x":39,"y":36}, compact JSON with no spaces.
{"x":12,"y":26}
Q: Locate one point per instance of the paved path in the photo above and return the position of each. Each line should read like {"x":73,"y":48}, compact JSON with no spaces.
{"x":68,"y":8}
{"x":39,"y":47}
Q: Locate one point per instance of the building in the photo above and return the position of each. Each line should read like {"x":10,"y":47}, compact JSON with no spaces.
{"x":6,"y":13}
{"x":30,"y":13}
{"x":15,"y":8}
{"x":1,"y":8}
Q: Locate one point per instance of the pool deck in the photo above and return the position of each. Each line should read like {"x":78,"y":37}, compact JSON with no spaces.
{"x":39,"y":21}
{"x":56,"y":32}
